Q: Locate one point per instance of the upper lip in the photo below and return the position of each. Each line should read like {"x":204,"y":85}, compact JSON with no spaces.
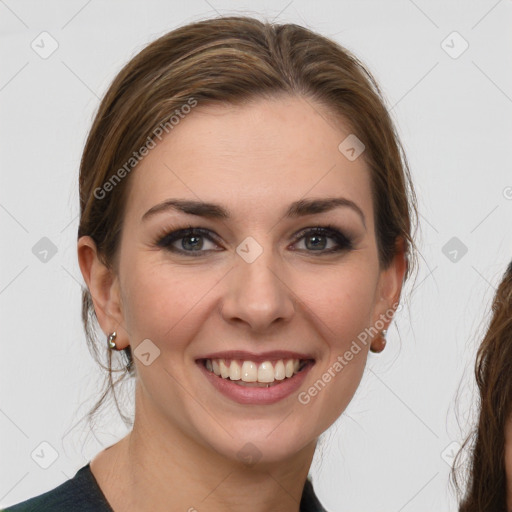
{"x":257,"y":358}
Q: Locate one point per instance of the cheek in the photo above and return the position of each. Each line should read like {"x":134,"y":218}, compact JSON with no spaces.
{"x":160,"y":302}
{"x":342,"y":299}
{"x":342,"y":309}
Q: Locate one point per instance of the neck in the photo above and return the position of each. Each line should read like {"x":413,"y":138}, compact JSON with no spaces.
{"x":159,"y":467}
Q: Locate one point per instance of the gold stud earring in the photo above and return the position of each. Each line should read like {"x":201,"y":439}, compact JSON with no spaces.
{"x":110,"y":340}
{"x":379,"y":344}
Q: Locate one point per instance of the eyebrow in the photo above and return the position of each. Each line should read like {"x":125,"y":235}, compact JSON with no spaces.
{"x":297,"y":209}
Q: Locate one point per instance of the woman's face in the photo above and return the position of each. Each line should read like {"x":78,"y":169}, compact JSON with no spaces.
{"x":256,"y":283}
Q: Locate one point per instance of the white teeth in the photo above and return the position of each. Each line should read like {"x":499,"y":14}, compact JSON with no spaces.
{"x":266,"y":372}
{"x":279,"y":373}
{"x":249,"y":371}
{"x":234,"y":371}
{"x":288,"y":368}
{"x":224,"y":370}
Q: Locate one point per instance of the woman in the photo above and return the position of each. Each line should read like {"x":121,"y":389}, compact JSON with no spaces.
{"x":490,"y":469}
{"x":246,"y":218}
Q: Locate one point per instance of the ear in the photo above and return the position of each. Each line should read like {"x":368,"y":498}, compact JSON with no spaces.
{"x":103,"y":286}
{"x":390,"y":286}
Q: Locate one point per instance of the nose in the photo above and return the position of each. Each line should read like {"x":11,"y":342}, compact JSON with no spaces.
{"x":258,"y":294}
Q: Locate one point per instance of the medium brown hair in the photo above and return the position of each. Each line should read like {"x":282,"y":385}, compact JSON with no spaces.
{"x":232,"y":60}
{"x":486,"y":480}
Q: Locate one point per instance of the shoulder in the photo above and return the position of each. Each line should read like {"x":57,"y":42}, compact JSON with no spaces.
{"x":309,"y":501}
{"x":80,"y":494}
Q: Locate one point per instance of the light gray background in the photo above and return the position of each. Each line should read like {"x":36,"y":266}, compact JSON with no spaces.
{"x":391,"y":451}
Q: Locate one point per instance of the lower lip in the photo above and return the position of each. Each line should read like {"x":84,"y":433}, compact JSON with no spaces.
{"x":256,"y":395}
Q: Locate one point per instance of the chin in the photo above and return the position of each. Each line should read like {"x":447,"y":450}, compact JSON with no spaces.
{"x":261,"y":442}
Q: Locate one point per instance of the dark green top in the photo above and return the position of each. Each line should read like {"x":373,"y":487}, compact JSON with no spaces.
{"x":83,"y":494}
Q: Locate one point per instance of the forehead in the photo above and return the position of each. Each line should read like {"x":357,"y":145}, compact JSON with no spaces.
{"x":259,"y":156}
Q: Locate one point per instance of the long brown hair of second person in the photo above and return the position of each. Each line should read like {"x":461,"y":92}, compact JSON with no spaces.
{"x":485,"y":487}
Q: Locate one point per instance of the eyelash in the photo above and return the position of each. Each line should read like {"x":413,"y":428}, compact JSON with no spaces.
{"x":344,"y":242}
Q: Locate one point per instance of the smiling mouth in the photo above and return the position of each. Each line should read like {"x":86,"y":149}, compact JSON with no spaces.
{"x":251,"y":374}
